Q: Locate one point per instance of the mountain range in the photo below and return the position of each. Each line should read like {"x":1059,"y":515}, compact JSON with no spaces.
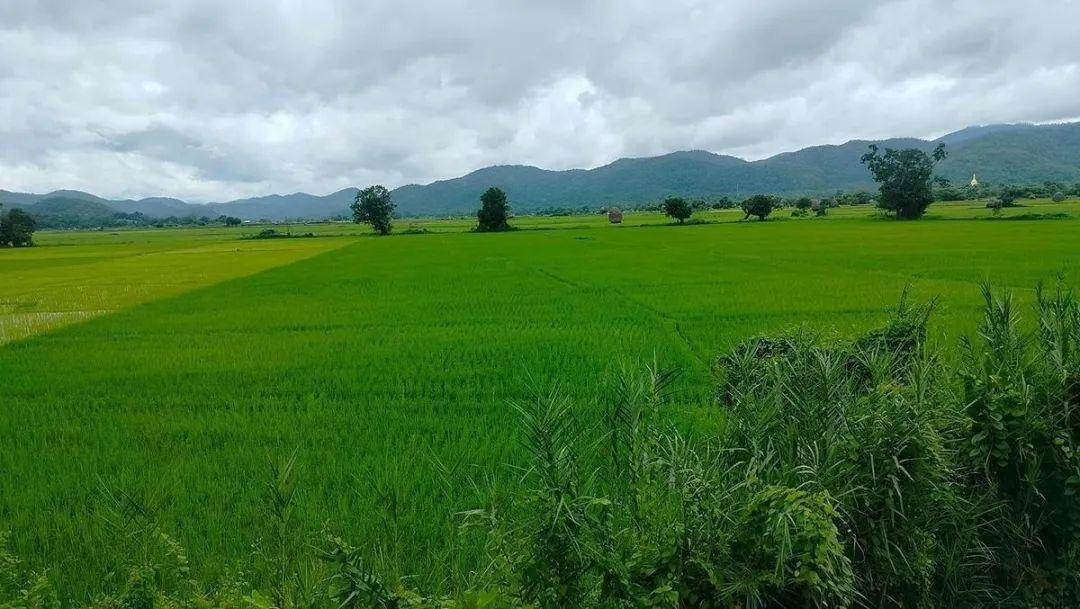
{"x":1002,"y":154}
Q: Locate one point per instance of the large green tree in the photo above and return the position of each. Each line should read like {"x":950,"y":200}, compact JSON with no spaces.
{"x":758,"y":205}
{"x":17,"y":229}
{"x":374,"y":206}
{"x":678,"y":208}
{"x":905,"y":179}
{"x":494,"y":211}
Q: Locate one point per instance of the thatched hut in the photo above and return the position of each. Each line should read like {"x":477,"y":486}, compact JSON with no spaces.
{"x":614,"y":215}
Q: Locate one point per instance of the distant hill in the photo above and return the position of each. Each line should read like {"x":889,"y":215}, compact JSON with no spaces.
{"x":158,"y":207}
{"x":1019,"y":154}
{"x":276,"y":207}
{"x":68,"y":212}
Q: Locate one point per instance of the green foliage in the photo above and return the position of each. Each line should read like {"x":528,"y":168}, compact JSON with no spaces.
{"x":905,"y":178}
{"x":374,"y":206}
{"x":853,"y":198}
{"x":1008,"y":195}
{"x":16,"y":228}
{"x":1021,"y":391}
{"x":20,"y":589}
{"x":677,"y":208}
{"x":790,"y":547}
{"x":494,"y":211}
{"x":759,"y":205}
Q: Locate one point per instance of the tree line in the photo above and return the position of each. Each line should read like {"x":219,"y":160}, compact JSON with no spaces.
{"x":906,"y":182}
{"x":374,"y":205}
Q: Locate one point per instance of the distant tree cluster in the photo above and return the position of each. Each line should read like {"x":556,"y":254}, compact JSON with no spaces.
{"x":17,"y":229}
{"x":1007,"y":193}
{"x":122,"y":220}
{"x":583,"y":210}
{"x":859,"y":197}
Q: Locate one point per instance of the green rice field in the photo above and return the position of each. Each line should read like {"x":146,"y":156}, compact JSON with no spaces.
{"x":169,"y":366}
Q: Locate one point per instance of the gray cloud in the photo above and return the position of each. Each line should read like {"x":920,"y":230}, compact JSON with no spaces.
{"x":211,"y":100}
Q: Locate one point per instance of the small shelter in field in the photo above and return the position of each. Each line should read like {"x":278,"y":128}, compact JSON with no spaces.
{"x":614,"y":215}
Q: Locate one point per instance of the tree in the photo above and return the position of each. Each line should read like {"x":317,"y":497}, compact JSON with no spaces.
{"x":678,"y":208}
{"x":1009,"y":195}
{"x":17,"y":229}
{"x":494,"y":211}
{"x":232,"y":221}
{"x":723,"y":203}
{"x":374,"y":206}
{"x":804,"y":203}
{"x":905,"y":179}
{"x":758,"y":205}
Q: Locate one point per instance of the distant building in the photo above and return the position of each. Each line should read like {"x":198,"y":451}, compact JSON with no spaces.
{"x":614,"y":215}
{"x":974,"y":183}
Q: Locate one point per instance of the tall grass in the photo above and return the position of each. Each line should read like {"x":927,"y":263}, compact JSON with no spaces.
{"x":841,"y":473}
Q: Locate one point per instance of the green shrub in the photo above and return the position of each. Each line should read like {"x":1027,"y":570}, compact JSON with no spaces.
{"x":1022,"y":400}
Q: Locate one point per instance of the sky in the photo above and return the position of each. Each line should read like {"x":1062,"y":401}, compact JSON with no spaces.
{"x":211,"y":100}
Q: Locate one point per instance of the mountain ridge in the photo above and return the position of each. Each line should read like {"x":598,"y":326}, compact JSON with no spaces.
{"x":1001,"y":153}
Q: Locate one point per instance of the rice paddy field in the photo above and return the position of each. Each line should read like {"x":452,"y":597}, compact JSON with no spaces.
{"x":169,"y":366}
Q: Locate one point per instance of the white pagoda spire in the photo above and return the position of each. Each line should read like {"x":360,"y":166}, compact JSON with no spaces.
{"x":974,"y":183}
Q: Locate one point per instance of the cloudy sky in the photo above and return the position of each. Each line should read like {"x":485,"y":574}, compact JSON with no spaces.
{"x":218,"y":99}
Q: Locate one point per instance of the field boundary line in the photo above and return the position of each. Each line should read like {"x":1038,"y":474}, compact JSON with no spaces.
{"x":562,"y":280}
{"x":667,"y":319}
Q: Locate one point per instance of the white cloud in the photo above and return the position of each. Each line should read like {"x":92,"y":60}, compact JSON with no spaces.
{"x":211,"y":100}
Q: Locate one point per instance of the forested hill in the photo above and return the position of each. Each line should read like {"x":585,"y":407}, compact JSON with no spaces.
{"x":998,"y":154}
{"x":1017,"y":154}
